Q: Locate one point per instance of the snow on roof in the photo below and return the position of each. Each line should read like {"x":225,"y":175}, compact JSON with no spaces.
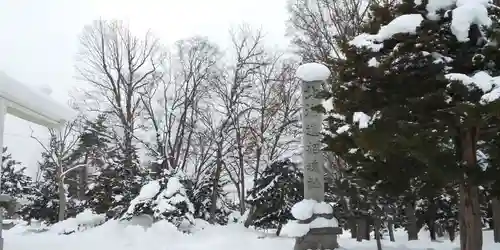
{"x":312,"y":72}
{"x":31,"y":105}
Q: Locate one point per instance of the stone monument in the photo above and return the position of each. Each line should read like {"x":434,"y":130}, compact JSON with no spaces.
{"x":321,"y":232}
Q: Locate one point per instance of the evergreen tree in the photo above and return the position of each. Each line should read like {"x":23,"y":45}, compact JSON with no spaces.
{"x":91,"y":154}
{"x":419,"y":82}
{"x":111,"y":186}
{"x":201,"y":196}
{"x":277,"y":189}
{"x":43,"y":203}
{"x":15,"y":182}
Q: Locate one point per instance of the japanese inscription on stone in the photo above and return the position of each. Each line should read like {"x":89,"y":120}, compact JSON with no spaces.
{"x":313,"y":157}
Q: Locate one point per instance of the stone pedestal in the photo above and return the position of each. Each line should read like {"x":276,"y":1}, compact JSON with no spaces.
{"x":318,"y":239}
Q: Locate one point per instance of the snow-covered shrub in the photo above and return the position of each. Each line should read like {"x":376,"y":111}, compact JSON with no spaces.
{"x":163,"y":200}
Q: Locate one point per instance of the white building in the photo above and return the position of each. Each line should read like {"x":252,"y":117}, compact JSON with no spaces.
{"x":23,"y":102}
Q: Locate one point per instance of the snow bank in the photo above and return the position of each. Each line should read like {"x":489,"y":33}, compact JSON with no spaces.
{"x":313,"y":72}
{"x":164,"y":236}
{"x":82,"y":221}
{"x":35,"y":101}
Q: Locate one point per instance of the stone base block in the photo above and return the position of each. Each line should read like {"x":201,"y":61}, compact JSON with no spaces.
{"x":318,"y":239}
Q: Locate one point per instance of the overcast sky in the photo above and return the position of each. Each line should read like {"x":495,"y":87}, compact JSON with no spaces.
{"x":39,"y":40}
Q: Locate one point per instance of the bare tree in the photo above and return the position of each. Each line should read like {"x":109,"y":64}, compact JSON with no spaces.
{"x":173,"y":105}
{"x":273,"y":122}
{"x":119,"y":66}
{"x":232,"y":91}
{"x":61,"y":144}
{"x":318,"y":27}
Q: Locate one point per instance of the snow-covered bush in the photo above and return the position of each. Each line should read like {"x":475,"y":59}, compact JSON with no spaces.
{"x":163,"y":200}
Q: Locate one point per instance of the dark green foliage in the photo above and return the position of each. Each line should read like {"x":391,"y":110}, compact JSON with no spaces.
{"x":414,"y":146}
{"x":14,"y":180}
{"x":43,"y":202}
{"x":201,"y":196}
{"x":277,"y":189}
{"x":111,"y":186}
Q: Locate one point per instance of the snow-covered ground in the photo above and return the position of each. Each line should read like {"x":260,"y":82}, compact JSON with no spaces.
{"x":163,"y":236}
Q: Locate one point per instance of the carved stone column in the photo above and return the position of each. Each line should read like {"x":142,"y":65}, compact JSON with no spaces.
{"x":322,"y":228}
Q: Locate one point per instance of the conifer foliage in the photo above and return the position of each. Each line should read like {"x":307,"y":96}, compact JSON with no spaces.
{"x":15,"y":182}
{"x":418,"y":91}
{"x":277,"y":189}
{"x":43,"y":202}
{"x":201,"y":196}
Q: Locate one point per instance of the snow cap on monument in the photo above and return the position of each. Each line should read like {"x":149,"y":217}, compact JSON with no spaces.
{"x":313,"y":72}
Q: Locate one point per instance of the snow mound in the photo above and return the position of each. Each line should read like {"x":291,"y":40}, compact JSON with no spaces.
{"x":296,"y":229}
{"x":313,"y":72}
{"x":305,"y":209}
{"x":81,"y":222}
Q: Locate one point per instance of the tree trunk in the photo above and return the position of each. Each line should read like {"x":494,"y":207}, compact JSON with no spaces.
{"x":390,"y":227}
{"x":450,"y":228}
{"x":62,"y":199}
{"x":249,"y":219}
{"x":83,"y":179}
{"x":352,"y":226}
{"x":61,"y":191}
{"x":432,"y":229}
{"x":471,"y":235}
{"x":495,"y":207}
{"x":376,"y":231}
{"x":367,"y":228}
{"x":439,"y":231}
{"x":361,"y":229}
{"x":278,"y":231}
{"x":241,"y":165}
{"x":431,"y":219}
{"x":215,"y":183}
{"x":411,"y":228}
